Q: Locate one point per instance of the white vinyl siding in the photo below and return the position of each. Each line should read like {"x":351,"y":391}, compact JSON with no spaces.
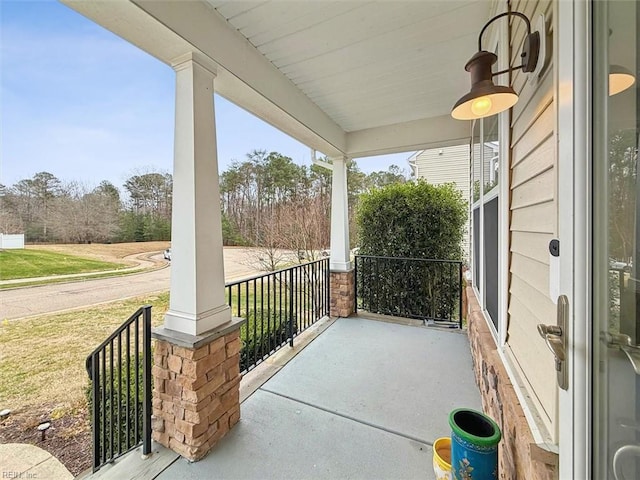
{"x":489,"y":155}
{"x":446,"y":165}
{"x":533,"y":221}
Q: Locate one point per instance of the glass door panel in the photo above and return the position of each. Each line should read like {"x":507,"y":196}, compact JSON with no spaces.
{"x":616,"y":227}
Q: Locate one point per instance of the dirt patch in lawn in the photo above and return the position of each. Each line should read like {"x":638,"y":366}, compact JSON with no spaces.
{"x":68,"y":439}
{"x":112,"y":252}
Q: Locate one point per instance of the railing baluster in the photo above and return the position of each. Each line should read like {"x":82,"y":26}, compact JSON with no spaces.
{"x":314,"y":296}
{"x":301,"y":278}
{"x":299,"y":308}
{"x":97,"y":430}
{"x":111,"y":402}
{"x":321,"y":311}
{"x":146,"y":408}
{"x":401,"y":303}
{"x":309,"y":296}
{"x":277,"y":311}
{"x":137,"y":383}
{"x":257,"y":350}
{"x":280,"y":307}
{"x":306,"y":295}
{"x":355,"y":286}
{"x":308,"y":320}
{"x":103,"y":408}
{"x":373,"y":265}
{"x":128,"y":425}
{"x":296,"y":306}
{"x":118,"y":393}
{"x":255,"y":316}
{"x":290,"y":321}
{"x":320,"y":290}
{"x":263,"y":354}
{"x":239,"y":301}
{"x":327,"y":287}
{"x":269,"y":312}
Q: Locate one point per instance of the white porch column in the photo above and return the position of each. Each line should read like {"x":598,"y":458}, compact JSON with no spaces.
{"x":340,"y":255}
{"x":197,"y":302}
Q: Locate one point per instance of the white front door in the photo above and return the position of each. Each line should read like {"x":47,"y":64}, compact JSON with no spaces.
{"x":599,"y":230}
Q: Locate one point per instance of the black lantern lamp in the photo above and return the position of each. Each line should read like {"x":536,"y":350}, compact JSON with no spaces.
{"x":486,"y":98}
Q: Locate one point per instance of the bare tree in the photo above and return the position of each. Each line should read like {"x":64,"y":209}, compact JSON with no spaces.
{"x":10,"y":221}
{"x":305,"y":227}
{"x":84,"y":215}
{"x":271,"y":256}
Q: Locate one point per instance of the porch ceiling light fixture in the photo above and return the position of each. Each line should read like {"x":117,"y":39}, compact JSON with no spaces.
{"x":485,"y":98}
{"x":619,"y":79}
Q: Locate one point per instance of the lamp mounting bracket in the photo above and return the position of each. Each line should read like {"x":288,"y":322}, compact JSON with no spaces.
{"x":530,"y":49}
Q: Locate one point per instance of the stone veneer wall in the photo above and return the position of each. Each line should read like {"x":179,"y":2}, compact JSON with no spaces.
{"x":196,"y":396}
{"x":519,"y":457}
{"x":342,"y":293}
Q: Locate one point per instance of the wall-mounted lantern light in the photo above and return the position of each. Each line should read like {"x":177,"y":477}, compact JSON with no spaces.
{"x":486,"y":98}
{"x":619,"y":79}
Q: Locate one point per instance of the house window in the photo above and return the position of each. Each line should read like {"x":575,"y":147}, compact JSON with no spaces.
{"x":484,"y":214}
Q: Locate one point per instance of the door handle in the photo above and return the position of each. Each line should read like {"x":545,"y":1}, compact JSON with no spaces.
{"x":623,"y":342}
{"x":621,"y":454}
{"x":556,"y":339}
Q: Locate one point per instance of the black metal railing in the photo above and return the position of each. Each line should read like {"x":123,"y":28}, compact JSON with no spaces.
{"x":410,"y":287}
{"x":278,"y":306}
{"x":120,"y":396}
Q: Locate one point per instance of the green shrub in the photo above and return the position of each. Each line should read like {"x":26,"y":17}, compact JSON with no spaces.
{"x":263,"y":333}
{"x":111,"y":410}
{"x":411,"y":220}
{"x":416,"y":220}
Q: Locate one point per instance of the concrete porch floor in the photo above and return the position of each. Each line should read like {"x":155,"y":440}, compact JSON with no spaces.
{"x":366,"y":399}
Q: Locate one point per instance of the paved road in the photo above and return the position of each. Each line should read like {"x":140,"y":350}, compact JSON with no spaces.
{"x":26,"y":302}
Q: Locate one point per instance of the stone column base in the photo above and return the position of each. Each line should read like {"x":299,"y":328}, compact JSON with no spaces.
{"x":342,"y":293}
{"x":196,"y":395}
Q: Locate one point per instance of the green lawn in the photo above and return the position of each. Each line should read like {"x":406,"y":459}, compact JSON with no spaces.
{"x":43,"y":357}
{"x":39,"y":263}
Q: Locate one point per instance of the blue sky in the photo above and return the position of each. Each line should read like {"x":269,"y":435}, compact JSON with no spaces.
{"x":83,"y":104}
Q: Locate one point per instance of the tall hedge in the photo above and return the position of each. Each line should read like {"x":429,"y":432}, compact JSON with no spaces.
{"x":411,"y":220}
{"x":416,"y":220}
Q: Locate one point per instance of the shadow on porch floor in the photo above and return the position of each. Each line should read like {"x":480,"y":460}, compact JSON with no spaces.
{"x":366,"y":399}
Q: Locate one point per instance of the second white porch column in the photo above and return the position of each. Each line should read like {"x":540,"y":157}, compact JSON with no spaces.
{"x":340,"y":255}
{"x":197,"y":300}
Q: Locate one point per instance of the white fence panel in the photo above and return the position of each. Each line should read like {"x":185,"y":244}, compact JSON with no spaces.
{"x":11,"y":241}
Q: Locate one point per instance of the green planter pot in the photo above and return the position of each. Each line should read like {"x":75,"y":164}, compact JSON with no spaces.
{"x":474,"y":445}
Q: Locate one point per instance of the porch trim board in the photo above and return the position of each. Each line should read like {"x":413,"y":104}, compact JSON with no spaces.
{"x":340,"y":255}
{"x":574,"y":54}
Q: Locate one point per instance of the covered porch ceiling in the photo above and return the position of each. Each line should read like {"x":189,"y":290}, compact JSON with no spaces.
{"x":350,"y":78}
